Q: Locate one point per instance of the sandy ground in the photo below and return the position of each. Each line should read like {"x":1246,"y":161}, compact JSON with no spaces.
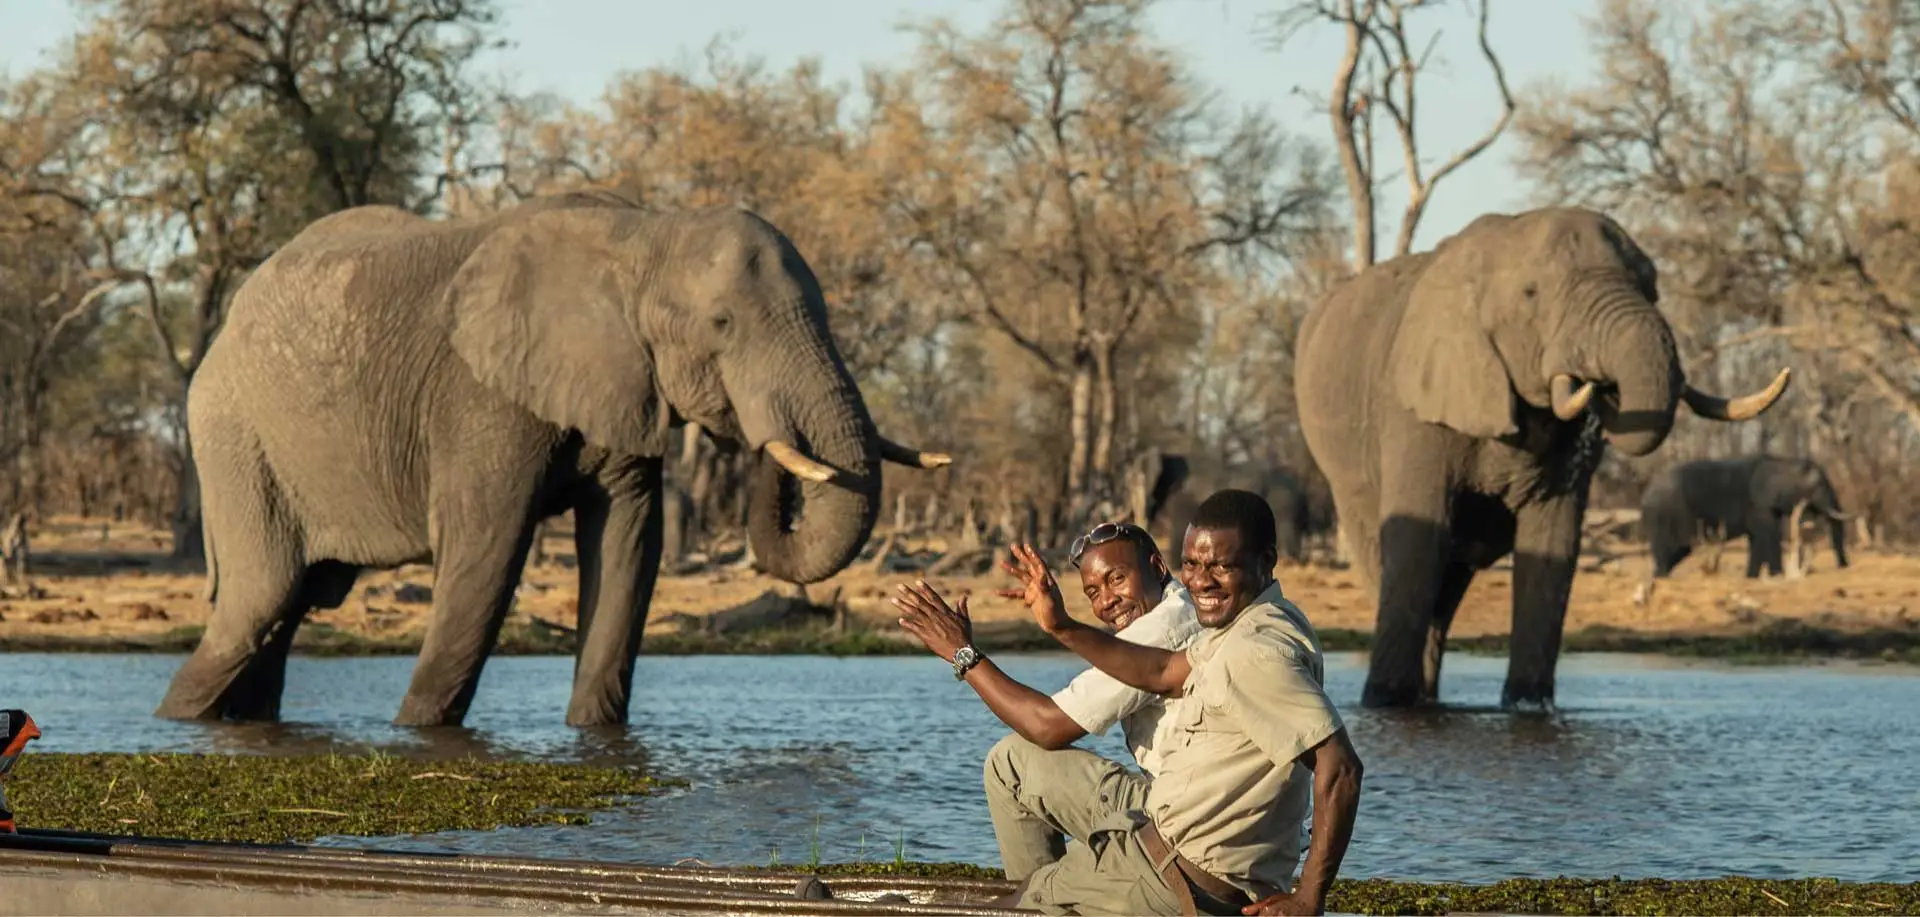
{"x":98,"y":579}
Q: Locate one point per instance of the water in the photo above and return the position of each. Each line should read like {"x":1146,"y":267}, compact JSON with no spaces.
{"x":1652,"y":767}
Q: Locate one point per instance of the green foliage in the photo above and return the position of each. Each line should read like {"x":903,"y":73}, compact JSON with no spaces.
{"x":1732,"y":895}
{"x":292,"y":799}
{"x":1625,"y":896}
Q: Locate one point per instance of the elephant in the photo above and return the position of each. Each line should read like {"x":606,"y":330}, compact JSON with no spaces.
{"x":1458,"y":401}
{"x":389,"y":389}
{"x":1178,"y":489}
{"x":1748,"y":497}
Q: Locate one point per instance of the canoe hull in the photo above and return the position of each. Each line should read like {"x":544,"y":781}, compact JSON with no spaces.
{"x":59,"y":872}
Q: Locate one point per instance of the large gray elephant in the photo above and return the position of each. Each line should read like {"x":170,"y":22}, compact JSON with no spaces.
{"x":1750,"y":497}
{"x":1458,"y":400}
{"x":391,"y":390}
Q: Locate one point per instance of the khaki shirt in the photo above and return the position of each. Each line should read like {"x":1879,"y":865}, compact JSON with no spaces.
{"x":1228,"y":795}
{"x":1095,"y":700}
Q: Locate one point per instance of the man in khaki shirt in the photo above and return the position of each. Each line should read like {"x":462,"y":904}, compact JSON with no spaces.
{"x":1255,"y":743}
{"x":1126,"y":581}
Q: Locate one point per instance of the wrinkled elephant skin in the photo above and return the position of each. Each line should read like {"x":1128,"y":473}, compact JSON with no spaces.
{"x":391,"y":390}
{"x":1458,"y":401}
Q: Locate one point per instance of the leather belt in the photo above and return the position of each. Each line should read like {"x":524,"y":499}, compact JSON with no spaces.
{"x":1184,"y":876}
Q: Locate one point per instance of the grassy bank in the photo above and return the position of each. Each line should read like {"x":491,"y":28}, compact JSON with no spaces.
{"x":296,"y":799}
{"x":1733,"y":896}
{"x":1777,"y":641}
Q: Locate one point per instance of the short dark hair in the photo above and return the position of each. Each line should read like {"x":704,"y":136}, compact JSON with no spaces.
{"x":1243,"y":511}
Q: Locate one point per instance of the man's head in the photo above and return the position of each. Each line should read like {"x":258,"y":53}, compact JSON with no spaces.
{"x":1228,"y":556}
{"x":1121,"y":572}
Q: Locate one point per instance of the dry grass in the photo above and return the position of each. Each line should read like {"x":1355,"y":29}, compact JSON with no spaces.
{"x":102,"y":580}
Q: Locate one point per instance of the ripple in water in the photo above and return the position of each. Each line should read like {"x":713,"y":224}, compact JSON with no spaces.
{"x":1651,"y":768}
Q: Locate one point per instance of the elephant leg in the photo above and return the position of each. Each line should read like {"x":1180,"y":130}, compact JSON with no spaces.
{"x":1546,"y":548}
{"x":258,"y":571}
{"x":618,"y":538}
{"x":1667,"y":556}
{"x":482,"y":533}
{"x":1415,"y":545}
{"x":1452,"y":589}
{"x":1763,"y":546}
{"x":256,"y":693}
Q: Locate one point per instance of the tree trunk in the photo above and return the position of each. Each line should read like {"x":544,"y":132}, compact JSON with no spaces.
{"x":1793,"y":560}
{"x":1106,"y":399}
{"x":189,"y":542}
{"x":1342,"y":112}
{"x":1080,"y":422}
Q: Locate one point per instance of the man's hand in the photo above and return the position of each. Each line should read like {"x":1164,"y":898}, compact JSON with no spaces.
{"x":1040,"y":592}
{"x":1285,"y":903}
{"x":925,"y":615}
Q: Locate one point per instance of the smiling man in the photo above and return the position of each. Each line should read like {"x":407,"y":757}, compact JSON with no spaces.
{"x":1252,"y":747}
{"x":1126,"y":581}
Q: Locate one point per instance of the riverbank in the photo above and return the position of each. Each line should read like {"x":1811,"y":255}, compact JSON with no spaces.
{"x":108,"y":588}
{"x":295,"y":799}
{"x":277,"y":800}
{"x":1772,"y":643}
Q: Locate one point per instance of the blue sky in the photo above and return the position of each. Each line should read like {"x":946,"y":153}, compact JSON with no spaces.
{"x":572,"y":47}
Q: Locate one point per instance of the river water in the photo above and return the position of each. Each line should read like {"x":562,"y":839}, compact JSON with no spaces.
{"x":1651,"y":768}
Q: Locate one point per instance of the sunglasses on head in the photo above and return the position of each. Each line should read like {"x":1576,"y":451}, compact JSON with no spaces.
{"x":1101,"y":534}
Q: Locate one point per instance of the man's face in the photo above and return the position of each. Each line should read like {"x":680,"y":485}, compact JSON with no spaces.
{"x":1220,"y":574}
{"x":1123,"y":581}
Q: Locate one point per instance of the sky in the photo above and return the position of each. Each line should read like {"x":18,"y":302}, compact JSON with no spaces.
{"x":573,"y":47}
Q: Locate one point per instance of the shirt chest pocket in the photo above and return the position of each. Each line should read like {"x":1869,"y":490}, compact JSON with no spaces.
{"x":1195,"y":719}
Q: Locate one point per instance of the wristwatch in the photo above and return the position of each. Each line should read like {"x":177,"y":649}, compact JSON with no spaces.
{"x":965,"y":658}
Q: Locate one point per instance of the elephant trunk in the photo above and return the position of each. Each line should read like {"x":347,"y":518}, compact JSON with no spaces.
{"x":1640,"y":359}
{"x":815,"y":491}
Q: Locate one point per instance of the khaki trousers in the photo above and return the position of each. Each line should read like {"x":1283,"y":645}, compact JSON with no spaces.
{"x":1036,"y":796}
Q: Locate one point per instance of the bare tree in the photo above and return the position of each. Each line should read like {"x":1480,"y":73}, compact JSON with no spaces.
{"x":1380,"y":74}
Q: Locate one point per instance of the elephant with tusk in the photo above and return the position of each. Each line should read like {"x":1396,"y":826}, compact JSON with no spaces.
{"x":1749,"y":497}
{"x":391,"y":390}
{"x":1458,"y":401}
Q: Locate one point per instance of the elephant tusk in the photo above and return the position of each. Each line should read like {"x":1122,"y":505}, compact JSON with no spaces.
{"x":891,"y":451}
{"x":797,"y":463}
{"x":1745,"y":407}
{"x":1568,"y":402}
{"x":1839,"y":516}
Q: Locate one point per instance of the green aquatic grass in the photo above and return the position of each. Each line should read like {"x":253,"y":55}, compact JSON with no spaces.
{"x":295,"y":799}
{"x":1626,"y":896}
{"x":257,"y":799}
{"x":1546,"y":896}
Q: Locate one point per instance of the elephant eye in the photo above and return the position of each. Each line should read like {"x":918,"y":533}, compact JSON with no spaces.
{"x":721,"y":323}
{"x":1530,"y":290}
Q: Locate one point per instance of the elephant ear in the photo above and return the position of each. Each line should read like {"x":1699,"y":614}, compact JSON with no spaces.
{"x":1445,"y":367}
{"x":539,"y":314}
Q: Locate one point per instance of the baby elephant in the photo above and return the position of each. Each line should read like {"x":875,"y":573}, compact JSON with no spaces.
{"x":1749,"y":497}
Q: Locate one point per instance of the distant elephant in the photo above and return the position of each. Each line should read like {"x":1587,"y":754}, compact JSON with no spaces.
{"x":1180,"y":488}
{"x":392,"y":390}
{"x":1750,"y":497}
{"x":1446,"y":397}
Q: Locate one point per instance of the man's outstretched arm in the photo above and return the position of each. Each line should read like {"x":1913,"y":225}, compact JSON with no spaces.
{"x":1035,"y":716}
{"x":1148,"y":668}
{"x":944,"y":630}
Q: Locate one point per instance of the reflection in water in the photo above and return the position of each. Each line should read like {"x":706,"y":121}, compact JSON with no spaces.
{"x":1648,"y":769}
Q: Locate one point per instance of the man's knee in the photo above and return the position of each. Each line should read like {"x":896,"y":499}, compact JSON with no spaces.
{"x":1001,"y":772}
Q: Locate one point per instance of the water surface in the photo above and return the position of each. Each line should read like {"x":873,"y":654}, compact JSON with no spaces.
{"x":1651,"y":768}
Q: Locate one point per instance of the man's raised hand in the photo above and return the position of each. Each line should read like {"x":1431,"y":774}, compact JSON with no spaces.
{"x":1039,"y":592}
{"x":943,"y":630}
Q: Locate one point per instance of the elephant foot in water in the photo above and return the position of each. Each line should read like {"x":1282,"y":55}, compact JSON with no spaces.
{"x":1527,"y":702}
